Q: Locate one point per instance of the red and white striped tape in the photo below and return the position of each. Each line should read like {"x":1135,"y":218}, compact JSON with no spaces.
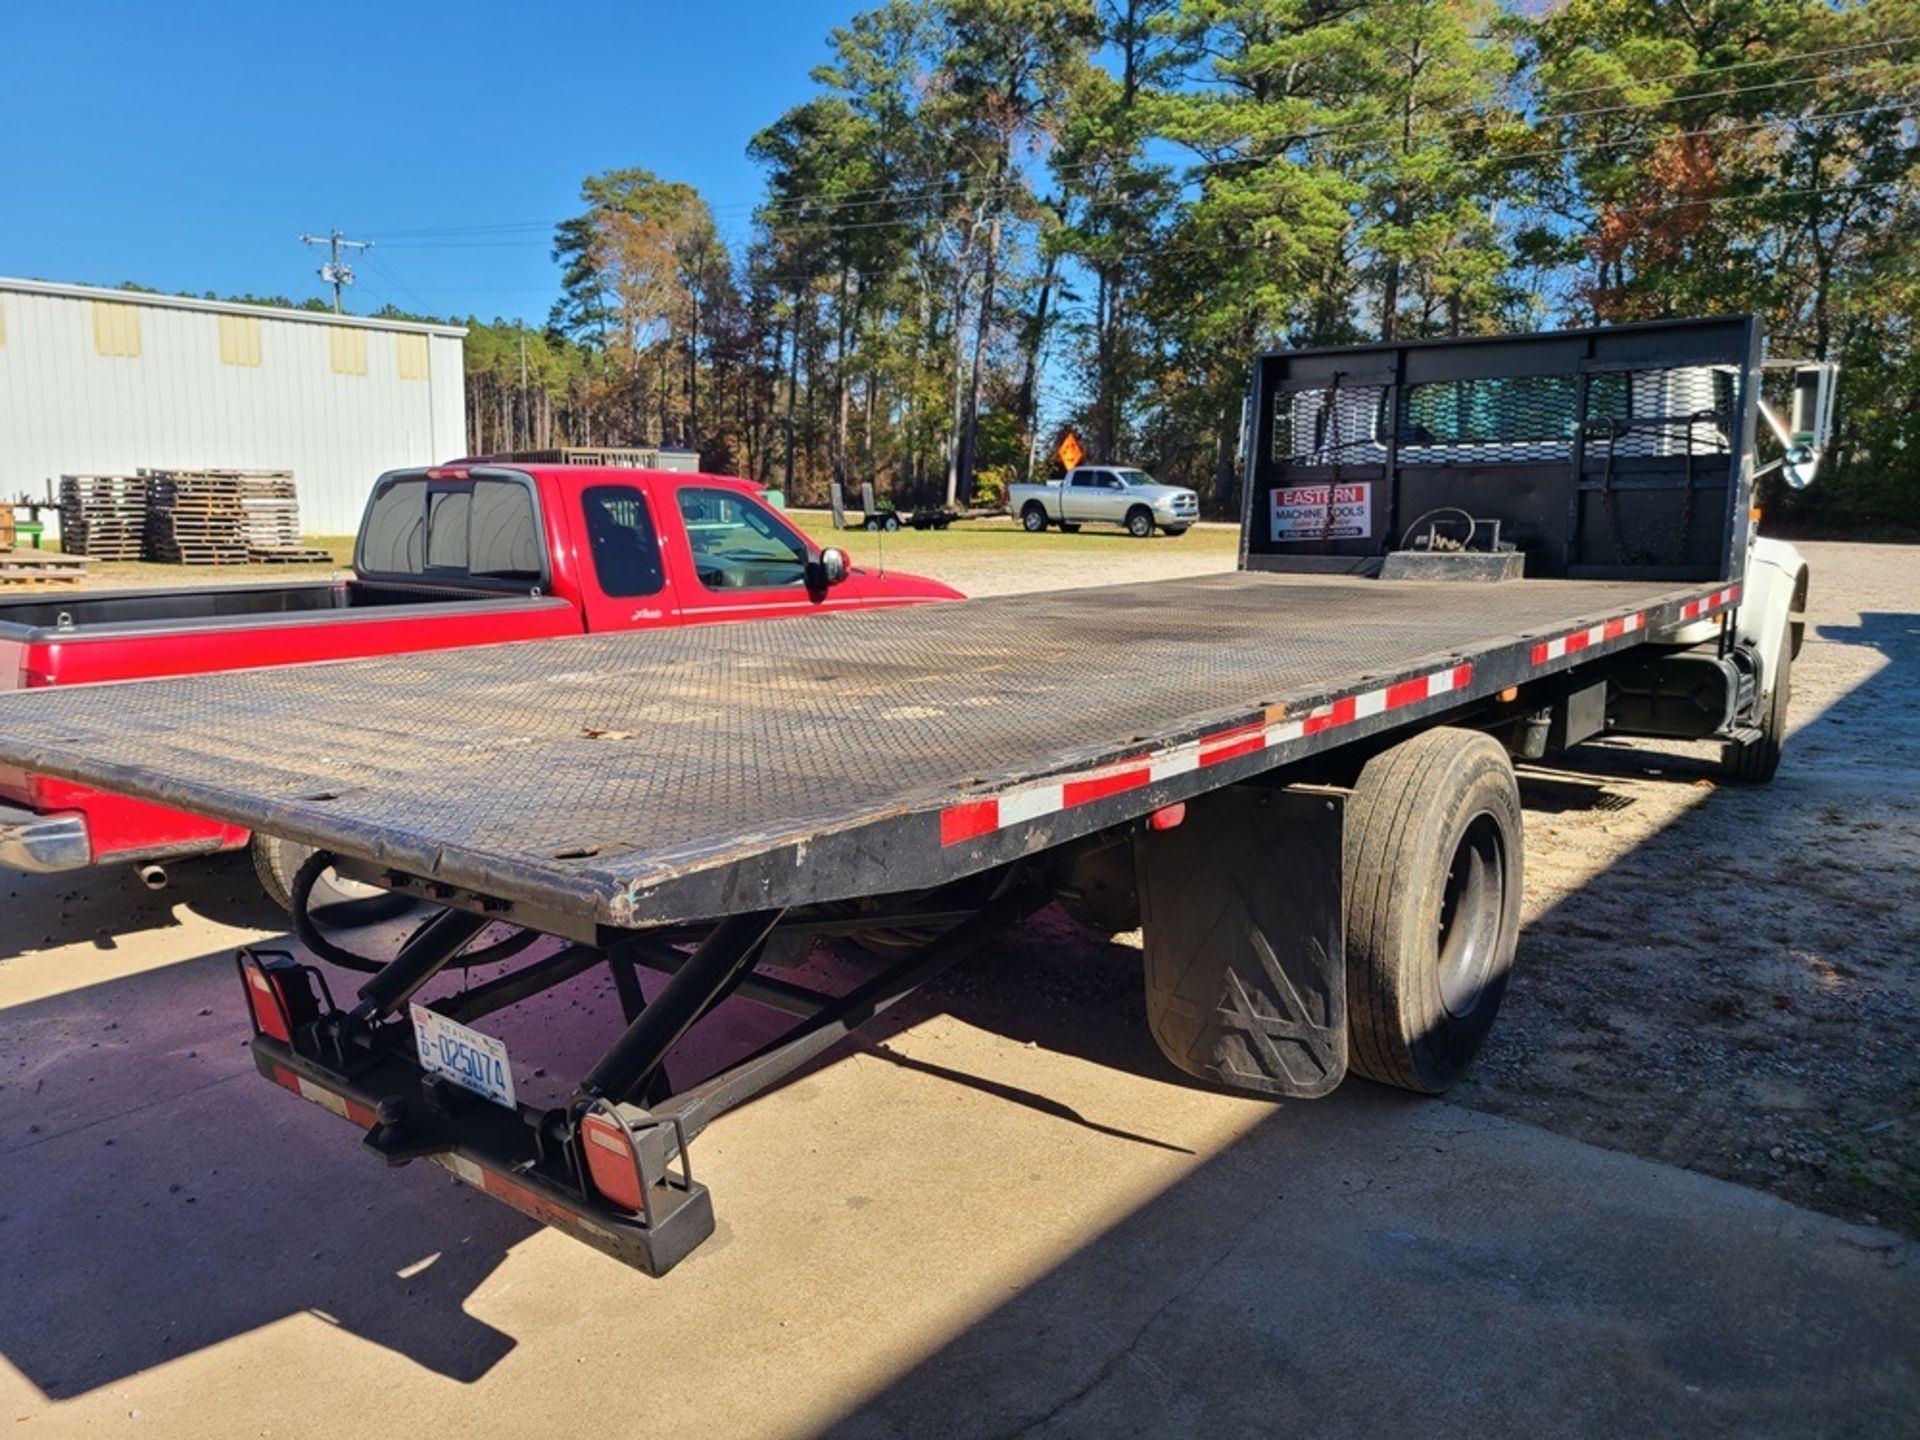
{"x":1575,"y":641}
{"x":1594,"y":635}
{"x":1694,"y":609}
{"x":971,"y":819}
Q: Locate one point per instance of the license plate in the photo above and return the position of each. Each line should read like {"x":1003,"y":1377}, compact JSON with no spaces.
{"x":469,"y":1059}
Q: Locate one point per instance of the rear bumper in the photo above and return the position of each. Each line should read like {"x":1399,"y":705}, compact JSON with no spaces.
{"x":43,"y":844}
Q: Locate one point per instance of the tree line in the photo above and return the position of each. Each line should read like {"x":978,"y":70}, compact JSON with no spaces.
{"x":993,"y":220}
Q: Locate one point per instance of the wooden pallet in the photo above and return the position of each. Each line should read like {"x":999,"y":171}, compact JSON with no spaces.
{"x":286,"y":555}
{"x":198,"y":517}
{"x":103,"y":516}
{"x":36,"y":567}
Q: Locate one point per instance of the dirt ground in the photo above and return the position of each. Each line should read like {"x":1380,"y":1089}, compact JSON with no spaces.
{"x":1726,"y":978}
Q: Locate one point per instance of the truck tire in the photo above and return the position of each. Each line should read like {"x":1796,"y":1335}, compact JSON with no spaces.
{"x":1433,"y":867}
{"x":277,"y":861}
{"x":1140,"y":523}
{"x":1033,"y":519}
{"x":1753,"y":762}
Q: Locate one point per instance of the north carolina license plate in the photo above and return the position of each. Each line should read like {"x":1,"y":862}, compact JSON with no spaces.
{"x":469,"y":1059}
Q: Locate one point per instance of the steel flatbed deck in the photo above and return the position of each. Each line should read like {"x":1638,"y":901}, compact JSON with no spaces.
{"x":668,"y":776}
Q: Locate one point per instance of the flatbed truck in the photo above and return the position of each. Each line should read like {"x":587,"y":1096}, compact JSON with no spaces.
{"x":1297,"y":779}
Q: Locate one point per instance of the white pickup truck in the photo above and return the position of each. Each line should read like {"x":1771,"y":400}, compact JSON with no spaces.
{"x":1105,"y":495}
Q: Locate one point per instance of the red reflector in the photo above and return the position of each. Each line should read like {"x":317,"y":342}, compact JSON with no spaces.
{"x":268,"y":1002}
{"x":611,"y":1163}
{"x":1167,"y":816}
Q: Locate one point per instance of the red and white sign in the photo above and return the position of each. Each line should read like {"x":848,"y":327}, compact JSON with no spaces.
{"x":1302,"y":512}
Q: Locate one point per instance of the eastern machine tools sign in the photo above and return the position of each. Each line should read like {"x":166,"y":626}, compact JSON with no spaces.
{"x":1308,"y":512}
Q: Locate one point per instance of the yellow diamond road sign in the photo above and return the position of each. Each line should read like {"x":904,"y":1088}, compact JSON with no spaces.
{"x":1070,"y":453}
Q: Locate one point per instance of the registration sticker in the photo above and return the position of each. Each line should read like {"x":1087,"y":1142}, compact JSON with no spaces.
{"x":469,"y":1059}
{"x":1303,"y":512}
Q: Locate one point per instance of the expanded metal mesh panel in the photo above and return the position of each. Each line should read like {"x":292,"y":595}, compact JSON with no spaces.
{"x":1510,"y":419}
{"x":586,"y":764}
{"x":1340,"y":425}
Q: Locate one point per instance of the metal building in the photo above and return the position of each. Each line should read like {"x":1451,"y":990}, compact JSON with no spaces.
{"x":106,"y":381}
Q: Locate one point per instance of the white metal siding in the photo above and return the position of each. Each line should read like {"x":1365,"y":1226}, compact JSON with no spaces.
{"x":67,"y":409}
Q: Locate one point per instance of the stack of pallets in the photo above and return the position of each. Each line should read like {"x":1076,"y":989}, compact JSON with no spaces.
{"x":272,"y":511}
{"x":6,"y":527}
{"x":196,"y":517}
{"x":103,"y":516}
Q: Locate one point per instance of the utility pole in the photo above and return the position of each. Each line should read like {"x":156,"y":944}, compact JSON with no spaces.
{"x":334,"y":272}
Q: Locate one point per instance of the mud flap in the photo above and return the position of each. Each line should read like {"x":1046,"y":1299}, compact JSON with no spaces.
{"x":1246,"y":973}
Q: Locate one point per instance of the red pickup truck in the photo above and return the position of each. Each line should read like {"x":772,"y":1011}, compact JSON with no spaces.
{"x":465,"y":554}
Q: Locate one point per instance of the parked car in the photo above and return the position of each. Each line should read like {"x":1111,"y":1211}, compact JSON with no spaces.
{"x":1105,"y":495}
{"x":460,"y":555}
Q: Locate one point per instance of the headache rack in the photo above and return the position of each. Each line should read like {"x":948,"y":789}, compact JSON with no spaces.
{"x":1599,"y":454}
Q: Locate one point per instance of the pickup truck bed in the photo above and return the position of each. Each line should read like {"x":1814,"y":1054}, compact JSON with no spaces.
{"x":666,"y":776}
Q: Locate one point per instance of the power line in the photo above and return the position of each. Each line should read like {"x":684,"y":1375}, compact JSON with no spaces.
{"x":1159,"y":251}
{"x":887,"y":194}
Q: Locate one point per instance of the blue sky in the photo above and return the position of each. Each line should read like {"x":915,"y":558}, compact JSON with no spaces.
{"x":186,"y":146}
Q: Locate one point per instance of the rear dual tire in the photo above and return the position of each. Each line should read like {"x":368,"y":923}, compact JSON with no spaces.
{"x":1433,"y":854}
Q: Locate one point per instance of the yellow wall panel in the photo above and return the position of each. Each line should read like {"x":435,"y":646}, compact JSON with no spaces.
{"x":239,"y":340}
{"x":116,"y":329}
{"x":347,"y":349}
{"x":410,"y":356}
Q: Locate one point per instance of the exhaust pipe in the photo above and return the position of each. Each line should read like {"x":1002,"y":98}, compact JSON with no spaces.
{"x":154,"y":877}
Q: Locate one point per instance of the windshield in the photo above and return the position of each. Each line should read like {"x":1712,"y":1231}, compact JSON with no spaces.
{"x":1135,"y":477}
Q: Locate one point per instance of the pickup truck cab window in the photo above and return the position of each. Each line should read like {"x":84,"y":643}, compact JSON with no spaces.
{"x":739,"y":545}
{"x":447,"y":532}
{"x":1087,"y":479}
{"x":621,"y":538}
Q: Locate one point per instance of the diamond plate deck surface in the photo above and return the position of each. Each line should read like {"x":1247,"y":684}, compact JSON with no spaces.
{"x":722,"y":740}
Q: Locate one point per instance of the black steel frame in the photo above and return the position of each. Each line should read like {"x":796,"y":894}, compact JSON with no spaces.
{"x":362,"y":1061}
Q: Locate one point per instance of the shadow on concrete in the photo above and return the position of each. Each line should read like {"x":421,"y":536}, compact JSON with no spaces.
{"x":161,"y":1198}
{"x":103,"y":907}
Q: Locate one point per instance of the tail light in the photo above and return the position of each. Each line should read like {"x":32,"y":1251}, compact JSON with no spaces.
{"x":618,"y":1172}
{"x":279,"y":993}
{"x":613,"y":1163}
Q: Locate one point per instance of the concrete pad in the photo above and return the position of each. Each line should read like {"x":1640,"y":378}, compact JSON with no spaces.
{"x":1007,"y":1214}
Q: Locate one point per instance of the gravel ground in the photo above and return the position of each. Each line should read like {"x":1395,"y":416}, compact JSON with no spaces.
{"x":1724,"y":978}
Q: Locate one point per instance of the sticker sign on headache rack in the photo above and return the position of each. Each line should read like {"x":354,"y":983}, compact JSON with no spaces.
{"x":1303,"y":512}
{"x":469,"y":1059}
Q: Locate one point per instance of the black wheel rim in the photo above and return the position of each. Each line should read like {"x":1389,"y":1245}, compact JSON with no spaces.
{"x":1472,"y":911}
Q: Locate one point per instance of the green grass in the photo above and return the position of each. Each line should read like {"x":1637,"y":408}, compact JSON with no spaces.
{"x":999,"y":538}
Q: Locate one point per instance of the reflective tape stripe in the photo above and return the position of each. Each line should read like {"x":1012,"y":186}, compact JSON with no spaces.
{"x":970,"y":819}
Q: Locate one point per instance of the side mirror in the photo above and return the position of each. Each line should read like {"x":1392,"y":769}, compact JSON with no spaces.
{"x":833,"y":565}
